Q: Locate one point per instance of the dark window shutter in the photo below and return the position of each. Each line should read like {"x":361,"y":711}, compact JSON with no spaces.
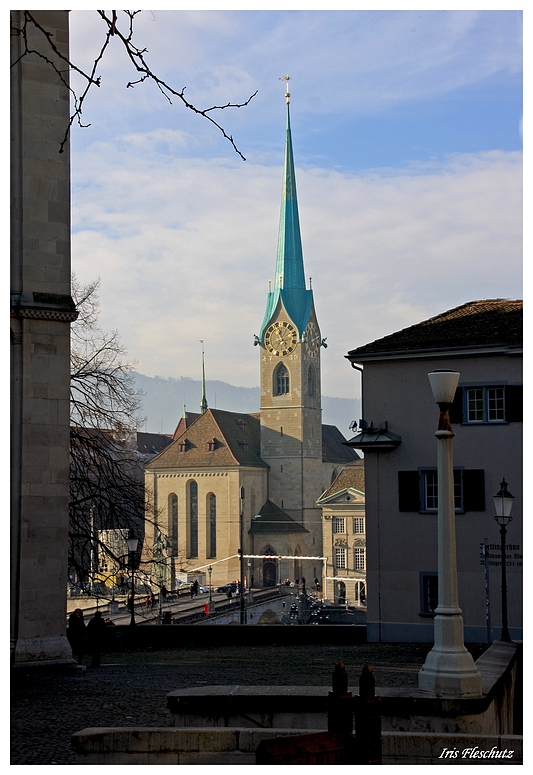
{"x":474,"y":489}
{"x":456,"y":411}
{"x":408,"y":491}
{"x":513,"y":403}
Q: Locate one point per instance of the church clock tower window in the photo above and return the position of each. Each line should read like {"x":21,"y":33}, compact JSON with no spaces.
{"x":282,"y":381}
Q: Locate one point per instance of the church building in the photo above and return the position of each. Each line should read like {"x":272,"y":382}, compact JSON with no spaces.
{"x":231,"y":480}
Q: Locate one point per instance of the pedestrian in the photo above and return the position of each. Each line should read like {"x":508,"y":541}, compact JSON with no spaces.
{"x":148,"y":601}
{"x":192,"y":591}
{"x":96,"y":631}
{"x":228,"y":593}
{"x":76,"y":634}
{"x":303,"y":583}
{"x":164,"y":594}
{"x":195,"y":587}
{"x":130,"y":603}
{"x":152,"y":600}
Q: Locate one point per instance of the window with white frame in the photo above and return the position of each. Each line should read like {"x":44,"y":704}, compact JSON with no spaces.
{"x":359,"y":558}
{"x":485,"y":404}
{"x":338,"y":525}
{"x":431,"y":491}
{"x":340,"y":557}
{"x":358,"y":524}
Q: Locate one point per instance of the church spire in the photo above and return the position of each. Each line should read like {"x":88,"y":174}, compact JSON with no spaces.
{"x":289,"y":283}
{"x":203,"y":402}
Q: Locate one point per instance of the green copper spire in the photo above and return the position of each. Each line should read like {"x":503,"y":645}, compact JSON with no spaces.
{"x":289,"y":284}
{"x":203,"y":402}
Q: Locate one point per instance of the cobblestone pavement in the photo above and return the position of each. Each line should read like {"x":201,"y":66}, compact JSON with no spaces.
{"x":130,"y":689}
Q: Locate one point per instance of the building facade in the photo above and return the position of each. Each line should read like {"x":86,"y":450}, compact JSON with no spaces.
{"x":482,"y":340}
{"x":344,"y":536}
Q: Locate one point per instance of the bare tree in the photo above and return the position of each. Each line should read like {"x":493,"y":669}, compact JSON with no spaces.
{"x":106,"y":471}
{"x":112,"y":25}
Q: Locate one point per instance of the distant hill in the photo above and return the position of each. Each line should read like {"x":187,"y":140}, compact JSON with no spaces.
{"x":164,"y":398}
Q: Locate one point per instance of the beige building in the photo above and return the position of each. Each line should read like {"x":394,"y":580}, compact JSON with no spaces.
{"x":233,"y":480}
{"x":344,"y":536}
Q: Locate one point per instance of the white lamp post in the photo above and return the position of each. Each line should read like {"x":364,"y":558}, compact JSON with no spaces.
{"x":449,"y":670}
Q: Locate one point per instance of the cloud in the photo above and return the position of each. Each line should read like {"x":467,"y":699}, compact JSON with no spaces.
{"x":355,"y":62}
{"x":185,"y":249}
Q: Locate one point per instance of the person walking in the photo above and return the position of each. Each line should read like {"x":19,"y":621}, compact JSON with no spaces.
{"x":76,"y":634}
{"x":96,"y":630}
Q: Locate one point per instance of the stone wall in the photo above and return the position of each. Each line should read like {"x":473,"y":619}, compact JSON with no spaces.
{"x":41,"y":312}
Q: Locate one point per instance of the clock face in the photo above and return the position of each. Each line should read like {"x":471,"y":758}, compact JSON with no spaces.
{"x":281,"y":338}
{"x":312,"y":340}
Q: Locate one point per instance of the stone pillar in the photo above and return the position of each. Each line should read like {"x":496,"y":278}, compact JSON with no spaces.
{"x":41,"y":312}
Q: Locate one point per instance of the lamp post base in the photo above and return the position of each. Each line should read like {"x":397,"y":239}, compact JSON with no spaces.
{"x":449,"y":670}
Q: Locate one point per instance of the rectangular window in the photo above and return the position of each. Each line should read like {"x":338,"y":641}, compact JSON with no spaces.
{"x":430,"y":490}
{"x":359,"y":558}
{"x":340,"y":557}
{"x":358,"y":524}
{"x":429,"y":593}
{"x":338,"y":525}
{"x":495,"y":404}
{"x":485,"y":404}
{"x":418,"y":490}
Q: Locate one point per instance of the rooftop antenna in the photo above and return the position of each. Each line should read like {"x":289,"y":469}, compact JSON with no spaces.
{"x":203,"y":402}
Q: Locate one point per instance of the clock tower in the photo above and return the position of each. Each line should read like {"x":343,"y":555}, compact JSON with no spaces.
{"x":290,"y":345}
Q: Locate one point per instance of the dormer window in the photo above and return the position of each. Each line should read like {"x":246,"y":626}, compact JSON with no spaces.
{"x":243,"y":445}
{"x":183,"y":446}
{"x":242,"y":425}
{"x":211,"y":445}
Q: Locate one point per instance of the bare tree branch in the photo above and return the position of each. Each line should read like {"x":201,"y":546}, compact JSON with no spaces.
{"x":136,"y":57}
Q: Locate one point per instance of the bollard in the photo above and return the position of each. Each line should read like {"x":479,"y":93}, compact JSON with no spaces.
{"x":368,"y":720}
{"x":340,"y":703}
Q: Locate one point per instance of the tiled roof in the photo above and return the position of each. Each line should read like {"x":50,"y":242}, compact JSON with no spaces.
{"x":185,"y":422}
{"x":333,"y":449}
{"x":215,"y":439}
{"x":272,"y":519}
{"x":474,"y":325}
{"x":352,"y":476}
{"x":152,"y":443}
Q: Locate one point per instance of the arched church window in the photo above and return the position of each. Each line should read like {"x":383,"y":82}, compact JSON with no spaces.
{"x":193,"y":519}
{"x":282,"y":380}
{"x":173,"y":521}
{"x":310,"y":381}
{"x":212,"y":524}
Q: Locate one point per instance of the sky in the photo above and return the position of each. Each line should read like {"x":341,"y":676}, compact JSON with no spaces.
{"x":407,"y":141}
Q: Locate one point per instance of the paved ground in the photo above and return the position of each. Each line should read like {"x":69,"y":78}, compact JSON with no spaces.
{"x":130,"y":689}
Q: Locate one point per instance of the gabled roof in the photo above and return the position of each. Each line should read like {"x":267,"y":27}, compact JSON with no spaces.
{"x":476,"y":325}
{"x":352,"y":477}
{"x":272,"y":519}
{"x":186,"y":420}
{"x":215,"y":439}
{"x":333,"y":449}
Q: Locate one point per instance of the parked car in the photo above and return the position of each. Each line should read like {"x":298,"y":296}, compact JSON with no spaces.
{"x":232,"y":587}
{"x":203,"y":589}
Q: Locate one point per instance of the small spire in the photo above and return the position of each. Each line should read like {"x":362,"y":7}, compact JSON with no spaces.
{"x":286,"y":78}
{"x":270,"y":286}
{"x":184,"y":415}
{"x":203,"y":402}
{"x":310,"y":283}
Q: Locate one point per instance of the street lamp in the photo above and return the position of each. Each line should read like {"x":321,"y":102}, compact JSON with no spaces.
{"x":132,"y":548}
{"x":210,"y":571}
{"x":449,"y":670}
{"x":503,"y":503}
